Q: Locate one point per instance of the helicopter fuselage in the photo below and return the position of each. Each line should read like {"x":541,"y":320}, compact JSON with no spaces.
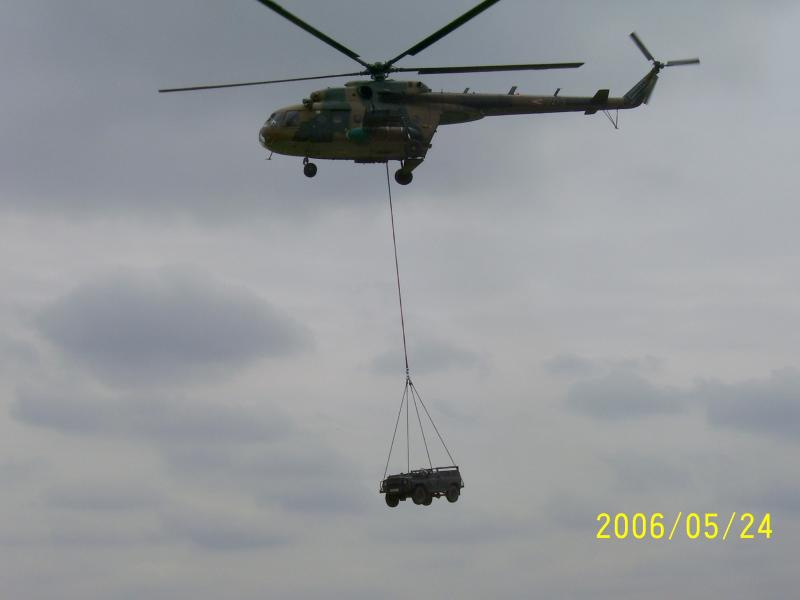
{"x":376,"y":121}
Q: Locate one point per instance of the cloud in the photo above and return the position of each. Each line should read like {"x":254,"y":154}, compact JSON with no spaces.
{"x":222,"y":532}
{"x":646,"y":473}
{"x":300,"y":474}
{"x":623,"y":395}
{"x":138,"y":327}
{"x":260,"y":453}
{"x":444,"y":524}
{"x":575,"y":366}
{"x":782,"y":498}
{"x":428,"y":356}
{"x":572,"y":511}
{"x":767,"y":406}
{"x":570,"y":365}
{"x":770,"y":405}
{"x":172,"y":420}
{"x":16,"y":470}
{"x":15,"y":353}
{"x":103,"y":497}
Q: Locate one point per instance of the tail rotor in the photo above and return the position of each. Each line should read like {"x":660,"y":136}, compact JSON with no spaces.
{"x":658,"y":65}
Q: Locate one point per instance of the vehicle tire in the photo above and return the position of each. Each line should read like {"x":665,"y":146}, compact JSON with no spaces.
{"x":453,"y":492}
{"x":420,"y":494}
{"x":403,"y":177}
{"x":428,"y":500}
{"x":309,"y":169}
{"x":392,"y":501}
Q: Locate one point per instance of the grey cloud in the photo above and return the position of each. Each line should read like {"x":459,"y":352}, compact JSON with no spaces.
{"x":646,"y":473}
{"x":570,"y":365}
{"x":15,"y":352}
{"x":146,"y":327}
{"x":782,"y":499}
{"x":770,"y":405}
{"x":101,"y":497}
{"x":300,"y":475}
{"x":428,"y":356}
{"x":576,"y":366}
{"x":170,"y":420}
{"x":222,"y":532}
{"x":575,"y":511}
{"x":19,"y":470}
{"x":73,"y":535}
{"x":622,"y":395}
{"x":260,"y":453}
{"x":445,"y":524}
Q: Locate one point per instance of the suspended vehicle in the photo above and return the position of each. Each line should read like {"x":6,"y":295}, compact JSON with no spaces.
{"x":381,"y":119}
{"x":423,"y":485}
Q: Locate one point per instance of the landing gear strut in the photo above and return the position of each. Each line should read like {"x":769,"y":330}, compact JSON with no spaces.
{"x":403,"y":175}
{"x":309,"y":168}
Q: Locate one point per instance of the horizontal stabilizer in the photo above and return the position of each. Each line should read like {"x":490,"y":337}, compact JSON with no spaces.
{"x":599,"y":100}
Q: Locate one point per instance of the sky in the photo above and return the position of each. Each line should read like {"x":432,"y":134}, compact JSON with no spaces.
{"x":200,"y":351}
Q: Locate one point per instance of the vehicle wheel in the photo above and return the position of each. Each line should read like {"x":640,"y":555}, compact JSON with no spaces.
{"x":420,"y":495}
{"x":309,"y":169}
{"x":403,"y":177}
{"x":453,"y":492}
{"x":428,"y":500}
{"x":392,"y":501}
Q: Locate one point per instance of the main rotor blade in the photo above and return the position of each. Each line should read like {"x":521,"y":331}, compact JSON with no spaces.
{"x":642,"y":47}
{"x":683,"y":61}
{"x":490,"y":68}
{"x":315,"y":32}
{"x":435,"y":37}
{"x":230,"y":85}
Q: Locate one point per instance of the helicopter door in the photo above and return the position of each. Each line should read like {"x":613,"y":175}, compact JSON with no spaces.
{"x":357,"y":109}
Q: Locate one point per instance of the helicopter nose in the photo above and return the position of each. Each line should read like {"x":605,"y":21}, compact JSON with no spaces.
{"x":263,"y":136}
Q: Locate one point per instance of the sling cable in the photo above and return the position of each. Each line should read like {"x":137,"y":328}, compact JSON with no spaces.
{"x":421,"y":485}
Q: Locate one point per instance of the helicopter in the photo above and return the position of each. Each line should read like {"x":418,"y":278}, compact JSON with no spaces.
{"x":380,"y":119}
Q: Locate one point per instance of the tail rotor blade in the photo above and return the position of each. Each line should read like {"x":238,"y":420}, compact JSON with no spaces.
{"x":642,"y":47}
{"x":683,"y":61}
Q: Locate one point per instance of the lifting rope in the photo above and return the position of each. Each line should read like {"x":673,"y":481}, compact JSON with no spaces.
{"x":409,"y":390}
{"x":397,"y":267}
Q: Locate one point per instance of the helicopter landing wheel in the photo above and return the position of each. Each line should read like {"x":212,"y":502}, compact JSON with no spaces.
{"x":309,"y":169}
{"x":403,"y":177}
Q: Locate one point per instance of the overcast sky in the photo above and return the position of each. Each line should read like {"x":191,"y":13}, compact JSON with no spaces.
{"x":200,"y":354}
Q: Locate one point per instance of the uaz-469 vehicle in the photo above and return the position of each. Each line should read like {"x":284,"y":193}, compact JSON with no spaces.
{"x":423,"y":485}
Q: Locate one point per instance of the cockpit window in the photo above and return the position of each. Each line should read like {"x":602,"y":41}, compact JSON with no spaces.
{"x":291,"y":119}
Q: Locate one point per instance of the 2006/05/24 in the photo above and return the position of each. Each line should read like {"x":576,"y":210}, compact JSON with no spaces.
{"x":697,"y":525}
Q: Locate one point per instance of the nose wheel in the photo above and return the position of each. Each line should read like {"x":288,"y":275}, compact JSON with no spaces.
{"x":309,"y":168}
{"x":403,"y":177}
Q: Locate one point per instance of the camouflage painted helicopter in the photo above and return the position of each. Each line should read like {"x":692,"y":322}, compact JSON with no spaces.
{"x":380,"y":119}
